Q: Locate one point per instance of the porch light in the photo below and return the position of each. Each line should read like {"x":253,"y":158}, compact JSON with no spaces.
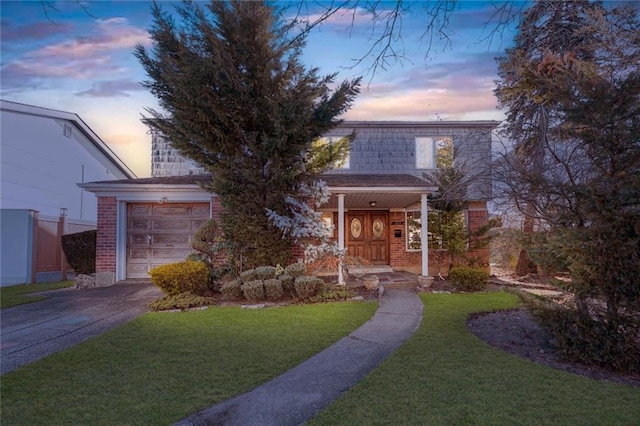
{"x":372,"y":203}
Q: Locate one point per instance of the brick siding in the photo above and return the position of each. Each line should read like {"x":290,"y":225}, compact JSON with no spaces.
{"x":106,"y":235}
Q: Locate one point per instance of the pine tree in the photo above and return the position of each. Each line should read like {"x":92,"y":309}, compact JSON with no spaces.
{"x":238,"y":101}
{"x":572,"y":88}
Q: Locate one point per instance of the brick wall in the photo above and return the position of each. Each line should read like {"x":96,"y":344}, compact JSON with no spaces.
{"x":479,"y":249}
{"x":400,"y":258}
{"x":106,"y":235}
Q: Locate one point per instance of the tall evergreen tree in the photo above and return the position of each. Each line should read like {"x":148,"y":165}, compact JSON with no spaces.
{"x":571,"y":86}
{"x":239,"y":102}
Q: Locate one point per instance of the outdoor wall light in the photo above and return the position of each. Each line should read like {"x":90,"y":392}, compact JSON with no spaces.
{"x":372,"y":203}
{"x":163,"y":199}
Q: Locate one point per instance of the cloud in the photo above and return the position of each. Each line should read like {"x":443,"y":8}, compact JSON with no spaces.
{"x":111,"y":88}
{"x":77,"y":58}
{"x":37,"y":30}
{"x":344,"y":17}
{"x":112,"y":34}
{"x":451,"y":90}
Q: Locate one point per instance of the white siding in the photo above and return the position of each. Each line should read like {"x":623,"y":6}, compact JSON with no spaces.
{"x":40,"y":166}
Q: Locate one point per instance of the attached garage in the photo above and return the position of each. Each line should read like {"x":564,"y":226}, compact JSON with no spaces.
{"x":158,"y":234}
{"x":143,"y":223}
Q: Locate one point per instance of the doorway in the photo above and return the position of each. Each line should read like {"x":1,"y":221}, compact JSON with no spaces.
{"x":368,"y":236}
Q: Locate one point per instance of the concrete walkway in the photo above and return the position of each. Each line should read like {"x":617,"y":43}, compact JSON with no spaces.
{"x":302,"y":392}
{"x":69,"y":316}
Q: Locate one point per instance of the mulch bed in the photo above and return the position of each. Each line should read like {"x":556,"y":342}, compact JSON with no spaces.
{"x":516,"y":332}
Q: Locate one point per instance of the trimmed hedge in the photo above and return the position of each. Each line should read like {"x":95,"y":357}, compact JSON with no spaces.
{"x":181,"y":301}
{"x":468,"y":279}
{"x":249,"y":275}
{"x":253,"y":291}
{"x":295,"y":270}
{"x":80,"y":251}
{"x":181,"y":277}
{"x":307,"y":287}
{"x":265,"y":272}
{"x":273,"y":289}
{"x":232,"y":290}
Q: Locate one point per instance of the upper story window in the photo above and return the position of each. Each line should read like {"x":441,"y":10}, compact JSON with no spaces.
{"x":434,"y":152}
{"x":334,"y":149}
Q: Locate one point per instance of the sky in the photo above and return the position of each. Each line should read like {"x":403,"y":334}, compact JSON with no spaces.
{"x":78,"y":57}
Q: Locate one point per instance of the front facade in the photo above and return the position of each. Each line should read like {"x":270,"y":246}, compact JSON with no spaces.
{"x":44,"y":154}
{"x":378,"y":197}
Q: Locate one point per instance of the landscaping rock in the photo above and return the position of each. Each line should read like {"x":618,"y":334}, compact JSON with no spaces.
{"x":85,"y":281}
{"x":259,"y":306}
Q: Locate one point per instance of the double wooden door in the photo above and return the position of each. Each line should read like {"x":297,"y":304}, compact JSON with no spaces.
{"x":368,"y":236}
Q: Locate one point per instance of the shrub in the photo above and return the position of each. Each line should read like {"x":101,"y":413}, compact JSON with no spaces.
{"x":253,"y":291}
{"x":181,"y":277}
{"x":232,"y":290}
{"x":249,"y":275}
{"x":591,"y":340}
{"x":295,"y":270}
{"x":273,"y":289}
{"x":468,"y":279}
{"x":279,"y":270}
{"x":265,"y":272}
{"x":181,"y":301}
{"x":80,"y":251}
{"x":306,"y":287}
{"x":287,"y":283}
{"x":333,"y":295}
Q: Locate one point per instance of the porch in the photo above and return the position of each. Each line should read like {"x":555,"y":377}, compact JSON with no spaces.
{"x":368,"y":213}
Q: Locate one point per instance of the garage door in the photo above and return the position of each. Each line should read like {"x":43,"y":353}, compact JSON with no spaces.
{"x":158,"y":234}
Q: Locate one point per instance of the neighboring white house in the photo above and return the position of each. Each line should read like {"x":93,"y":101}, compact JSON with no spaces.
{"x":44,"y":154}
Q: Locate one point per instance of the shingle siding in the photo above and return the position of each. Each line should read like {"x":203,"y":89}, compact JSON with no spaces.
{"x":380,"y":147}
{"x":389,"y":148}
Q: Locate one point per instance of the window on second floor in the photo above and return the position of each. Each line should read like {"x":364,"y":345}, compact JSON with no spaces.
{"x":434,"y":152}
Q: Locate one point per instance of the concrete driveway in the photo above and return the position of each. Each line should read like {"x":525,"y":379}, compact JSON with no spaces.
{"x":69,"y":316}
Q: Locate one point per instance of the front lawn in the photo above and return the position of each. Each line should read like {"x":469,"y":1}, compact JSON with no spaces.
{"x":164,"y":366}
{"x":444,"y":375}
{"x":20,"y":294}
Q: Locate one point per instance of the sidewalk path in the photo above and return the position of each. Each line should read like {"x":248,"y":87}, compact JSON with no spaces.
{"x":299,"y":394}
{"x":32,"y":331}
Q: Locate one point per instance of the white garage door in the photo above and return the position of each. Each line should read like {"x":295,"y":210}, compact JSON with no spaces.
{"x":158,"y":234}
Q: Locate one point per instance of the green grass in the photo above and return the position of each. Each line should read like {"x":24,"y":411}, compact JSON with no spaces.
{"x":163,"y":366}
{"x":20,"y":294}
{"x":444,"y":375}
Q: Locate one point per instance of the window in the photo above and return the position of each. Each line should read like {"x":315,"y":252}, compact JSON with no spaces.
{"x":332,"y":150}
{"x":434,"y":152}
{"x":414,"y":229}
{"x":445,"y":230}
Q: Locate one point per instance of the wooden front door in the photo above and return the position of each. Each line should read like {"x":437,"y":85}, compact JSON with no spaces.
{"x":368,"y":236}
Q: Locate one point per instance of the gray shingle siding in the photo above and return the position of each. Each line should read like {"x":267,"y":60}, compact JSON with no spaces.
{"x":380,"y":147}
{"x":389,"y":148}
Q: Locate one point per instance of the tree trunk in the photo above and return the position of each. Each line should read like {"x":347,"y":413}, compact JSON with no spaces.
{"x":525,"y":265}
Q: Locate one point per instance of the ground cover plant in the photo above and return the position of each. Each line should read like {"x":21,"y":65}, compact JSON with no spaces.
{"x":21,"y":294}
{"x":445,"y":375}
{"x":163,"y":366}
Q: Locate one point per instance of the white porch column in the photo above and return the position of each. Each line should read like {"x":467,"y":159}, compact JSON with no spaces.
{"x":424,"y":219}
{"x":340,"y":235}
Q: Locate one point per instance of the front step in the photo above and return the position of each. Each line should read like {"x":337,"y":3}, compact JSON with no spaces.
{"x":403,"y":285}
{"x":369,"y":269}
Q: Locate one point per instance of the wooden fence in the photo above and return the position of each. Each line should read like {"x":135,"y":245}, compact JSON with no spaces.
{"x":47,"y":243}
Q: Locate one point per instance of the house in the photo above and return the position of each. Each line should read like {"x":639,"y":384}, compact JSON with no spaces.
{"x":378,"y":200}
{"x":45,"y":153}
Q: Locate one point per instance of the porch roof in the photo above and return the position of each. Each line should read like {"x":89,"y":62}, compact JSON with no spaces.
{"x":375,"y":191}
{"x":388,"y":191}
